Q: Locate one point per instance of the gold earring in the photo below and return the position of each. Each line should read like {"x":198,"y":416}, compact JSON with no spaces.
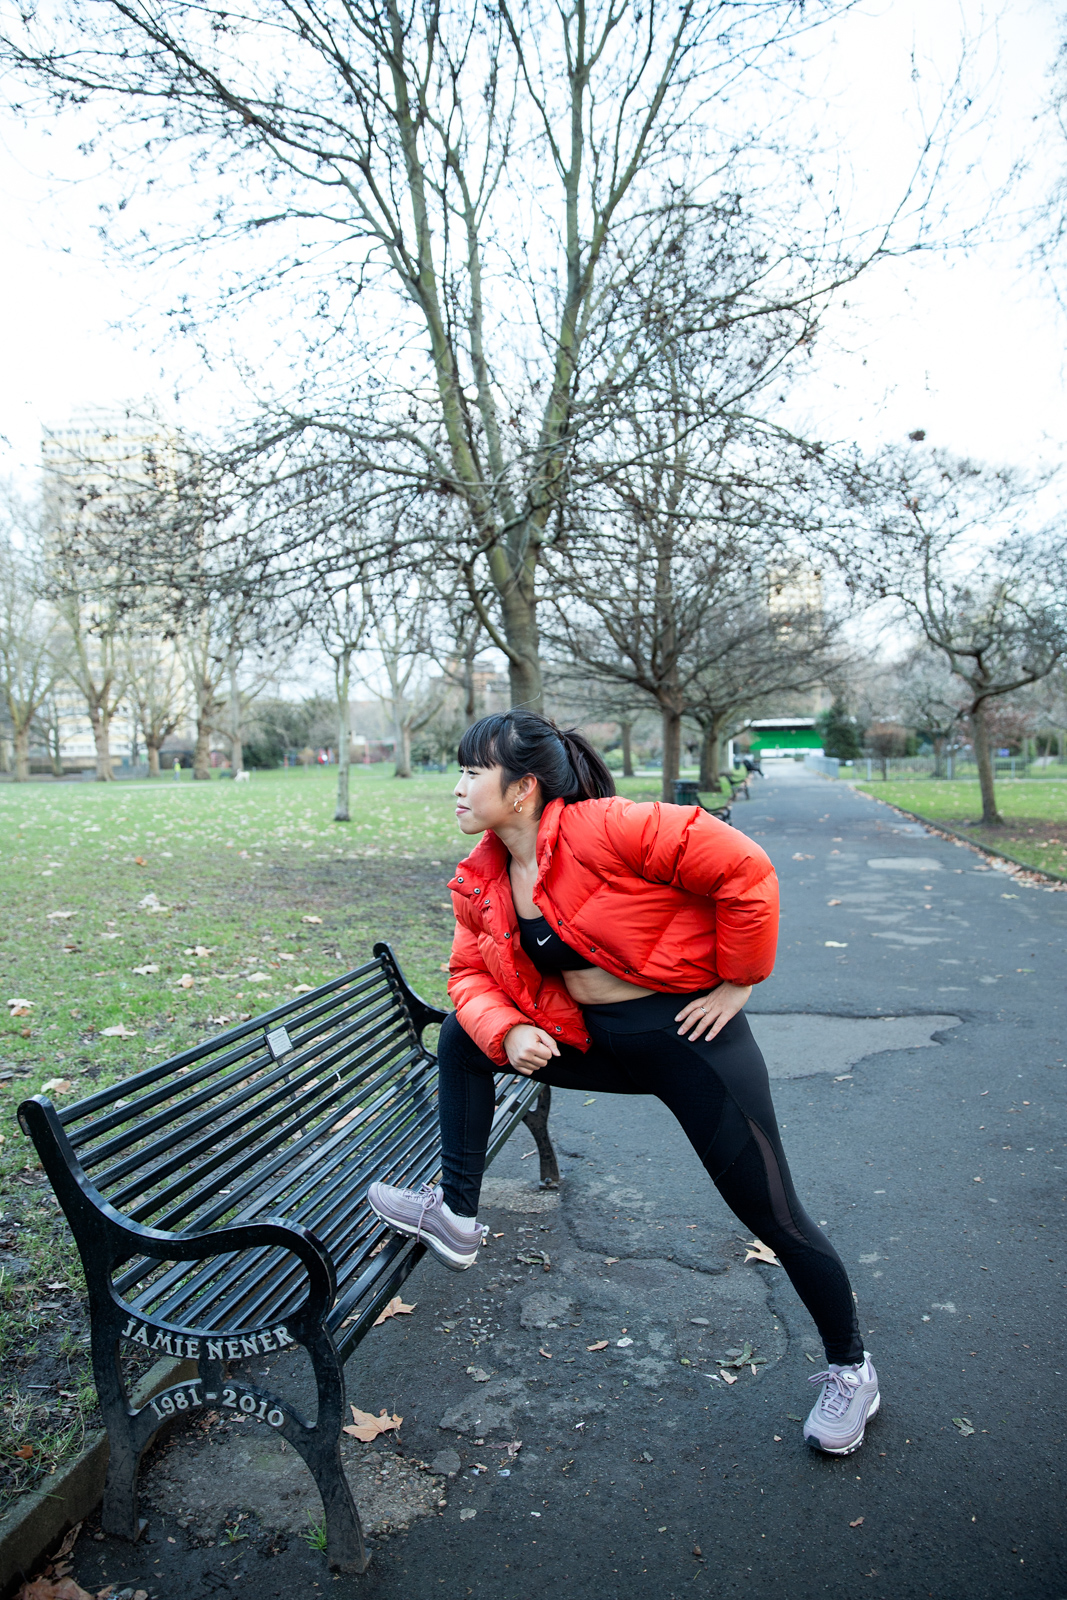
{"x":515,"y":806}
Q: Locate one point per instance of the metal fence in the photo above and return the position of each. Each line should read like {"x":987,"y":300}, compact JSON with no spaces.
{"x":871,"y":768}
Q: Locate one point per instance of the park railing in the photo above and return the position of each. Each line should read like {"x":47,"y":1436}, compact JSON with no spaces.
{"x":873,"y":769}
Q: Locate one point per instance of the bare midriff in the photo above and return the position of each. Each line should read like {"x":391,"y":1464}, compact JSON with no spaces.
{"x":592,"y":987}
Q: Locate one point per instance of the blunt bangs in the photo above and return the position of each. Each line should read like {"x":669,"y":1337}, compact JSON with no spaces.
{"x":479,"y":744}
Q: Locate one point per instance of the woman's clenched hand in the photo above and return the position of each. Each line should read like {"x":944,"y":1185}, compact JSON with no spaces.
{"x":529,"y":1048}
{"x":708,"y":1014}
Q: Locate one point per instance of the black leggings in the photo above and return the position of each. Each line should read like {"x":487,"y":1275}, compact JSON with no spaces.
{"x":719,"y":1092}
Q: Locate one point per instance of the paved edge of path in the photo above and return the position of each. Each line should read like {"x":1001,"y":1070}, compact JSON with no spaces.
{"x":945,"y":832}
{"x":41,"y":1517}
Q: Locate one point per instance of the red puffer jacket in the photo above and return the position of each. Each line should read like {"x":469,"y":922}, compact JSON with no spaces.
{"x":665,"y":897}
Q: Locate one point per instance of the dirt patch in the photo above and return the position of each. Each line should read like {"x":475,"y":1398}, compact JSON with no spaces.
{"x":214,"y":1476}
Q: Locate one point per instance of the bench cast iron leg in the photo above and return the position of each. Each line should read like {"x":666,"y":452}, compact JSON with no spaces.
{"x":537,"y":1122}
{"x":119,"y":1513}
{"x":321,"y":1449}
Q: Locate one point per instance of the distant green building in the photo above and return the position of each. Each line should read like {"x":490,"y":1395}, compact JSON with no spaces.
{"x":783,"y":736}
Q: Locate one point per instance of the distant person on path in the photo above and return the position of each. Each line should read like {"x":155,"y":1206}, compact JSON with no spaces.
{"x":177,"y":767}
{"x":609,"y":947}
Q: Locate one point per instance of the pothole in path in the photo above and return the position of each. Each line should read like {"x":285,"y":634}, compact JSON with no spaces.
{"x":800,"y":1045}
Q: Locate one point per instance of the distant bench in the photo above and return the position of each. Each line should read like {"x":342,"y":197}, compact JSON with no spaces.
{"x":218,"y":1201}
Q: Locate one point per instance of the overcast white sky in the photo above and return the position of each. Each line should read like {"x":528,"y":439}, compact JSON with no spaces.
{"x":968,"y":346}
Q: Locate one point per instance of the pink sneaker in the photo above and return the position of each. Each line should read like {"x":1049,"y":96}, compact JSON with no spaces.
{"x":418,"y":1213}
{"x":848,"y":1401}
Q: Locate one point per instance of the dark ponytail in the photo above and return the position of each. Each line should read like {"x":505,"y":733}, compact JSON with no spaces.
{"x":526,"y":744}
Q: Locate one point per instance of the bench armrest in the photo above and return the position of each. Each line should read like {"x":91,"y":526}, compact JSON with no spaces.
{"x":291,"y":1236}
{"x":106,"y":1237}
{"x":422,"y":1012}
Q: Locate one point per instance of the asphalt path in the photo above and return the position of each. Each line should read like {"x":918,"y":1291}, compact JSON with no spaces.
{"x":939,"y":1166}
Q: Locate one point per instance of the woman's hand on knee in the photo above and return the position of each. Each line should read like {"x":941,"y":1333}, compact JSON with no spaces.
{"x":529,"y":1048}
{"x":708,"y":1014}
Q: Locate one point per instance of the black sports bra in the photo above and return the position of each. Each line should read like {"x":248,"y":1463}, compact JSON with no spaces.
{"x":545,"y":948}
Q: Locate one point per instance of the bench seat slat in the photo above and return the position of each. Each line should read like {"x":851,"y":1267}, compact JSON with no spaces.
{"x":269,"y":1283}
{"x":420,"y":1147}
{"x":283,"y":1198}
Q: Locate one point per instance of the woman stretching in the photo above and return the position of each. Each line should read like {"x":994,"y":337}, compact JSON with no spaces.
{"x":607,"y":946}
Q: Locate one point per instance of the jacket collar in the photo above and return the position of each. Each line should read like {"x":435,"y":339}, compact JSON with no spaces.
{"x":487,"y":863}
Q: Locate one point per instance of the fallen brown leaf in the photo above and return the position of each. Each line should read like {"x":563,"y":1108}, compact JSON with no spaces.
{"x":311,"y":919}
{"x":758,"y":1251}
{"x":857,"y":1524}
{"x":46,"y":1589}
{"x":395,"y":1308}
{"x":513,"y":1447}
{"x":728,"y":1377}
{"x":55,"y":1086}
{"x":70,"y":1539}
{"x":601,"y":1344}
{"x":365,"y":1426}
{"x":24,"y":1452}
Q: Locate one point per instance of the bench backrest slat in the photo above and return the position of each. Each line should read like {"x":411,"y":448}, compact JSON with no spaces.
{"x":280,"y":1109}
{"x":179,"y":1099}
{"x":252,"y":1029}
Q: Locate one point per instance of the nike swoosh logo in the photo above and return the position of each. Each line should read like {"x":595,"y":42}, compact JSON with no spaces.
{"x":545,"y":940}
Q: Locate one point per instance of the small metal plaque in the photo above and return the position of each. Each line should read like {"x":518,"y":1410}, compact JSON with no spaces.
{"x":279,"y":1043}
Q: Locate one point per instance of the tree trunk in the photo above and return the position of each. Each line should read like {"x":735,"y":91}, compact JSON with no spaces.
{"x":626,"y":729}
{"x":513,"y":574}
{"x":236,"y":743}
{"x":22,"y":754}
{"x":101,"y":725}
{"x":709,"y":759}
{"x":470,"y":708}
{"x":342,"y":679}
{"x":403,"y":751}
{"x":153,"y":758}
{"x":202,"y":755}
{"x":991,"y":817}
{"x":672,"y":751}
{"x":527,"y":689}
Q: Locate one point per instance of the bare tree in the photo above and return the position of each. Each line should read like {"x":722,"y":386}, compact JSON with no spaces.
{"x":157,"y":687}
{"x":402,"y":621}
{"x":340,"y":620}
{"x":92,"y":619}
{"x":493,"y":176}
{"x":760,"y":645}
{"x":930,"y":700}
{"x":31,"y":647}
{"x":946,"y":541}
{"x":50,"y":726}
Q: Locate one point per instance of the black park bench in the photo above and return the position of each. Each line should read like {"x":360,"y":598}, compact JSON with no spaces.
{"x":687,"y":793}
{"x":218,"y":1201}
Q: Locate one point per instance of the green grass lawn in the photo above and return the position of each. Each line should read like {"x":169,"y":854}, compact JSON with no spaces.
{"x":1034,"y":811}
{"x":165,"y":911}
